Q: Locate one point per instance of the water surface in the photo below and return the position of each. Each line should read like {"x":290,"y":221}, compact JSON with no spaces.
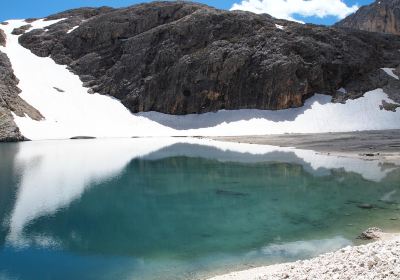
{"x":172,"y":208}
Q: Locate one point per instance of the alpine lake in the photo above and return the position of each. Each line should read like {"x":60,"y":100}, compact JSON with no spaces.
{"x":180,"y":208}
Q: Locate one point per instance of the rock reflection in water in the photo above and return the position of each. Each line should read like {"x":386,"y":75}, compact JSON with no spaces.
{"x":197,"y":204}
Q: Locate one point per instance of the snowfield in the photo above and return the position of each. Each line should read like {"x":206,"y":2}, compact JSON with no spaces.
{"x":74,"y":112}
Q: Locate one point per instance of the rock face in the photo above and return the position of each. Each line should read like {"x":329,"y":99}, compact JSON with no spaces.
{"x":11,"y":102}
{"x":380,"y":16}
{"x":180,"y":58}
{"x":2,"y":38}
{"x":21,"y":30}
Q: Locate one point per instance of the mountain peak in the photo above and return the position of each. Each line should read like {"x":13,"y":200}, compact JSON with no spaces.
{"x":380,"y":16}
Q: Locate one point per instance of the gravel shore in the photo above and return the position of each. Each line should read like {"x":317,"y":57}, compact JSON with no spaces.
{"x":383,"y":145}
{"x":377,"y":260}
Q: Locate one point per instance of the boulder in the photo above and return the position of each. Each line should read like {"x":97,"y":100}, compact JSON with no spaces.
{"x":371,"y":233}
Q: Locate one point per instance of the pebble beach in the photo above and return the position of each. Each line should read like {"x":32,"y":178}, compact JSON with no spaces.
{"x":376,"y":260}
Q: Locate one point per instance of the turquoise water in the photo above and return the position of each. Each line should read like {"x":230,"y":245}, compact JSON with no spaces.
{"x":179,"y":209}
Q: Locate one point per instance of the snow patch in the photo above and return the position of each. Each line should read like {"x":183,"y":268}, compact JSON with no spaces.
{"x":72,"y":29}
{"x":280,"y":27}
{"x":390,"y":72}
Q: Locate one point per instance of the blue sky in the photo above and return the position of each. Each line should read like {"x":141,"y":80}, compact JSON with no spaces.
{"x":11,"y":9}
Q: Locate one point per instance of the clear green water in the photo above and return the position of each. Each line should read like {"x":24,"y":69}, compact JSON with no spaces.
{"x":161,"y":209}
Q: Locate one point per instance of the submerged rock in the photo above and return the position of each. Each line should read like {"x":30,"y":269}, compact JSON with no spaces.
{"x":180,"y":58}
{"x":231,"y":193}
{"x":365,"y":205}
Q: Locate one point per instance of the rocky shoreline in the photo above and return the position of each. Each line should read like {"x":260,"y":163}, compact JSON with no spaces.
{"x":382,"y":145}
{"x":377,"y":260}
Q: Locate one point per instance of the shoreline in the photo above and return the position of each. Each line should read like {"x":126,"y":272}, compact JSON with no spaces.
{"x":382,"y":145}
{"x":376,"y":260}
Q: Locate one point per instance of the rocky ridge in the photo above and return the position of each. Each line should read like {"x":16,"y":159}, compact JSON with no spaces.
{"x":380,"y":16}
{"x":180,"y":58}
{"x":21,"y":30}
{"x":10,"y":100}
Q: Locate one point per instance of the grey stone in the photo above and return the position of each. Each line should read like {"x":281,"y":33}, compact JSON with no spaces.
{"x":371,"y":233}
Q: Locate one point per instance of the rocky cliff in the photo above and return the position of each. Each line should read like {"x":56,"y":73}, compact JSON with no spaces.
{"x":10,"y":100}
{"x":179,"y":58}
{"x":380,"y":16}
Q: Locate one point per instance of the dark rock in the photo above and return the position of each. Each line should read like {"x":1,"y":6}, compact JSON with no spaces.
{"x":30,"y":20}
{"x":11,"y":102}
{"x":389,"y":106}
{"x":21,"y":30}
{"x":179,"y":57}
{"x":82,"y":137}
{"x":2,"y":38}
{"x":371,"y":233}
{"x":231,"y":193}
{"x":4,"y":23}
{"x":380,"y":16}
{"x":58,"y":89}
{"x":374,"y":79}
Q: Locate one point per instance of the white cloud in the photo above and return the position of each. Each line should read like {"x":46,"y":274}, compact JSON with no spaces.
{"x":286,"y":9}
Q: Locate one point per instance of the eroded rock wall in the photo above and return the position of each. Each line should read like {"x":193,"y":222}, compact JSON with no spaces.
{"x":179,"y":58}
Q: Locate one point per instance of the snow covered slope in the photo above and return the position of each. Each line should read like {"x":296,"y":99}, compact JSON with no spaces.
{"x":70,"y":111}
